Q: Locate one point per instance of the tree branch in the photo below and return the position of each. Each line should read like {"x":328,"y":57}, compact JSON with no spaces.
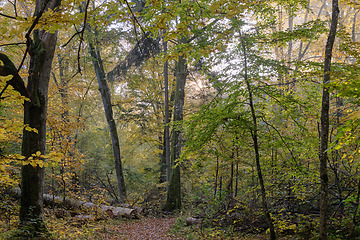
{"x":7,"y":16}
{"x":12,"y":44}
{"x":8,"y":68}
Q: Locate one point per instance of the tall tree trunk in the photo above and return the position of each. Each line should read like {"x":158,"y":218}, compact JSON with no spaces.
{"x":106,"y":99}
{"x":324,"y":132}
{"x":162,"y":163}
{"x":230,"y":186}
{"x":64,"y":117}
{"x":290,"y":45}
{"x":166,"y":154}
{"x":353,"y":29}
{"x":254,"y":135}
{"x":173,"y":200}
{"x":41,"y":51}
{"x":236,"y":178}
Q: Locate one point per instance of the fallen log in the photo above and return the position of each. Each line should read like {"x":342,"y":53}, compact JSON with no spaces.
{"x":116,"y":212}
{"x":139,"y":210}
{"x":193,"y":221}
{"x":111,"y":211}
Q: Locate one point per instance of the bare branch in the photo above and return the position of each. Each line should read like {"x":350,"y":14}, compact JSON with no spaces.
{"x":74,"y":35}
{"x":81,"y":35}
{"x":12,"y":44}
{"x":14,"y":5}
{"x":27,"y":35}
{"x":7,"y":16}
{"x":134,"y":17}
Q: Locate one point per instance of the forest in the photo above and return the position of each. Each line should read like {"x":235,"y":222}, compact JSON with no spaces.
{"x":187,"y":119}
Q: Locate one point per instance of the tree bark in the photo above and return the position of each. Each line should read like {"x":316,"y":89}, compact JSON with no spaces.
{"x":166,"y":155}
{"x":41,"y":51}
{"x":173,"y":200}
{"x":106,"y":99}
{"x":324,"y":132}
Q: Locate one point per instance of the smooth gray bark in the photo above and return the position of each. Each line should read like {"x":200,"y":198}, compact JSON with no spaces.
{"x":106,"y":99}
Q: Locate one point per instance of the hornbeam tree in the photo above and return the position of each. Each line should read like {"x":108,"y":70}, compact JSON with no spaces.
{"x":106,"y":99}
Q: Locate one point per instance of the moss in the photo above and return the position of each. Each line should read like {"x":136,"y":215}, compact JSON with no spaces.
{"x":32,"y":229}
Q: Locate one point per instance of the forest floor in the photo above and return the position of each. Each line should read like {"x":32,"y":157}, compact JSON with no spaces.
{"x":145,"y":228}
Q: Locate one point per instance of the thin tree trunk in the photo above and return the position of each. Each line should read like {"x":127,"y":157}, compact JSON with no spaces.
{"x":236,"y":178}
{"x":166,"y":151}
{"x":353,"y":29}
{"x":220,"y":187}
{"x":64,"y":117}
{"x":216,"y":175}
{"x":254,"y":135}
{"x":324,"y":132}
{"x":162,"y":154}
{"x":231,"y":181}
{"x":106,"y":99}
{"x":354,"y":218}
{"x":290,"y":45}
{"x":336,"y":158}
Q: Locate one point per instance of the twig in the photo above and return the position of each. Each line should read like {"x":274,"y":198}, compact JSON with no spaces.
{"x":7,"y":16}
{"x":14,"y":5}
{"x":133,"y":15}
{"x":12,"y":44}
{"x":77,"y":32}
{"x":282,"y":139}
{"x":82,"y":35}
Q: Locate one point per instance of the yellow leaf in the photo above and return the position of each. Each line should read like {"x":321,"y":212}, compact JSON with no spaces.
{"x":27,"y":128}
{"x":19,"y":157}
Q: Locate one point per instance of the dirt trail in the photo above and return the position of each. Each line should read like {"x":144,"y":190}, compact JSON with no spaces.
{"x":144,"y":229}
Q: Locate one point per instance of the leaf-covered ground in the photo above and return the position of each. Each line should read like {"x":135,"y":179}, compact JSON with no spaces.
{"x":146,"y":228}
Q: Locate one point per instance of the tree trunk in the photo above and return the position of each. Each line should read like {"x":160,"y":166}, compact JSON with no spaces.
{"x":173,"y":200}
{"x":324,"y":132}
{"x":230,"y":190}
{"x":41,"y":51}
{"x":165,"y":165}
{"x":216,"y":176}
{"x":254,"y":135}
{"x":106,"y":99}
